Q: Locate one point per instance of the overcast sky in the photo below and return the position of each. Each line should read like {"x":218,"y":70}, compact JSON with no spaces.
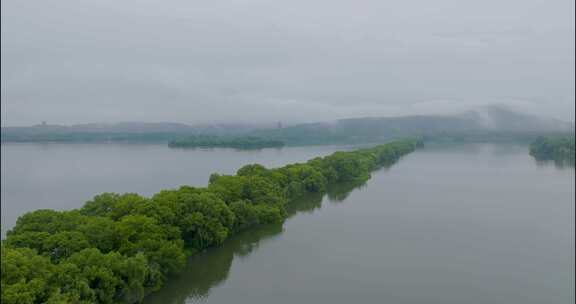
{"x":195,"y":61}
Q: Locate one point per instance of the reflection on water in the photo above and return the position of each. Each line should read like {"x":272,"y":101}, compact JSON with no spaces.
{"x":210,"y":268}
{"x":64,"y":176}
{"x":466,"y":223}
{"x":472,"y":223}
{"x":567,"y":163}
{"x":339,"y":193}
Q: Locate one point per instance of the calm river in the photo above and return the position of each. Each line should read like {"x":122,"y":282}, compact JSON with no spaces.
{"x":474,"y":223}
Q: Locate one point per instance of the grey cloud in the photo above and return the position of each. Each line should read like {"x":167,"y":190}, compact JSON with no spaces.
{"x":73,"y":61}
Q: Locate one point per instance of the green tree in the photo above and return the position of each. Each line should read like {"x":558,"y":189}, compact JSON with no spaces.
{"x":25,"y":276}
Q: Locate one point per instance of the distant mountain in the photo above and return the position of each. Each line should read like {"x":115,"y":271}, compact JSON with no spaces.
{"x":133,"y":127}
{"x":488,"y":119}
{"x":139,"y":127}
{"x":503,"y":119}
{"x":125,"y":131}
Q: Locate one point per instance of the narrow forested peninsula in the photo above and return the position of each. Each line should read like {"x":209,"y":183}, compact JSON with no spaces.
{"x":118,"y":248}
{"x":556,"y":148}
{"x":239,"y":142}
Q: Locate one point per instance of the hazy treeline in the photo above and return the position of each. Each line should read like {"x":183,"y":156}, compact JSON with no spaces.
{"x":489,"y":124}
{"x":239,"y":142}
{"x":87,"y":137}
{"x":119,"y":132}
{"x":119,"y":248}
{"x":557,"y":148}
{"x":525,"y":137}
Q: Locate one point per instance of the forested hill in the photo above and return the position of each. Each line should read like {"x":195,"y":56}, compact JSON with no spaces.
{"x":126,"y":131}
{"x":482,"y":123}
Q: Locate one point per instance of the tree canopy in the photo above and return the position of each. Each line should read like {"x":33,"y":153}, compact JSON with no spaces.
{"x":121,"y":247}
{"x":238,"y":142}
{"x":556,"y":148}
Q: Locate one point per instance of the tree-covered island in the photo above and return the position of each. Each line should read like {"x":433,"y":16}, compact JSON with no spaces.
{"x":237,"y":142}
{"x":118,"y":248}
{"x":557,"y":148}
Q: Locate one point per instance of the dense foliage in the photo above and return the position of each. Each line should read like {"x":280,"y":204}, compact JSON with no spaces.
{"x":121,"y":247}
{"x":239,"y":142}
{"x":524,"y":137}
{"x":559,"y":148}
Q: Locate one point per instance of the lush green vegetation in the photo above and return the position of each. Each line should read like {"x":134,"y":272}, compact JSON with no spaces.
{"x":524,"y":137}
{"x":119,"y":248}
{"x":557,"y":148}
{"x":491,"y":124}
{"x":239,"y":142}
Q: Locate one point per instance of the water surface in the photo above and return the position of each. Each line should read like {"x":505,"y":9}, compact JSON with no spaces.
{"x":64,"y":176}
{"x":447,"y":224}
{"x":460,"y":224}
